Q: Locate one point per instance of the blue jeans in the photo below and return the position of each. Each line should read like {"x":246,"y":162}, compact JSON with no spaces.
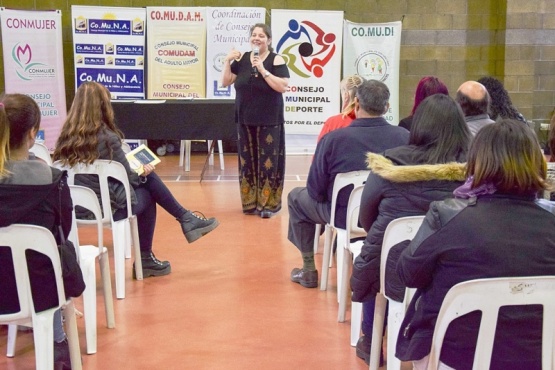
{"x":150,"y":193}
{"x":368,"y":317}
{"x":59,"y":333}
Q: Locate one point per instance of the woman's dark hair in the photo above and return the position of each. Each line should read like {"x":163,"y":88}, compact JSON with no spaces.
{"x":439,"y":130}
{"x":267,"y":31}
{"x":428,"y":86}
{"x":500,"y":101}
{"x":507,"y":154}
{"x":23,"y":115}
{"x":551,"y":138}
{"x":19,"y":114}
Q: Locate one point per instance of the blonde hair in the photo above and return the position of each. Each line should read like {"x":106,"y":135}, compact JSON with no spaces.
{"x":350,"y":84}
{"x":4,"y":141}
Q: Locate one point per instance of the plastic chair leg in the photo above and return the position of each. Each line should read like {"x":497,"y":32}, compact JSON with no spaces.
{"x":377,"y":331}
{"x":356,"y":322}
{"x":104,"y":264}
{"x":118,"y":234}
{"x":326,"y":257}
{"x":221,"y":152}
{"x":128,"y":241}
{"x":12,"y":339}
{"x":43,"y":335}
{"x":136,"y":247}
{"x":89,"y":303}
{"x":343,"y":291}
{"x":72,"y":336}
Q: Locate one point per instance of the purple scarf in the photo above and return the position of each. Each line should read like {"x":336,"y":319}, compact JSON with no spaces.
{"x":466,"y":191}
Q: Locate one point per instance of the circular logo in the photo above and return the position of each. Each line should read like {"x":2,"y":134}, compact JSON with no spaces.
{"x":218,"y":61}
{"x":373,"y":65}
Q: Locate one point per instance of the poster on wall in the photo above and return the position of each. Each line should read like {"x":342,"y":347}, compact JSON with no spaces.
{"x":176,"y":43}
{"x":33,"y":64}
{"x":109,"y":48}
{"x":373,"y":51}
{"x":310,"y":42}
{"x":227,"y":29}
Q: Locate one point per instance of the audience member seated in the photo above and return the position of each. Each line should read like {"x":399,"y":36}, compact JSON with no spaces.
{"x":403,"y":182}
{"x":90,"y":133}
{"x":33,"y":193}
{"x":501,"y":106}
{"x":348,"y":91}
{"x":339,"y":151}
{"x":427,"y":86}
{"x":474,"y":100}
{"x":494,"y":227}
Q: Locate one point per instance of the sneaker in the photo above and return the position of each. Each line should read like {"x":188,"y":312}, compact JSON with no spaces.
{"x":62,"y":360}
{"x":308,"y":279}
{"x":195,"y":225}
{"x":363,"y":349}
{"x":152,"y":266}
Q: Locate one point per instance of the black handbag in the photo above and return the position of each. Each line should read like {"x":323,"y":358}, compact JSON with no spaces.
{"x":74,"y":284}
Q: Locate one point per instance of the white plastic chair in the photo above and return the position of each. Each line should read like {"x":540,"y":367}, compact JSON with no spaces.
{"x":88,"y":254}
{"x":487,"y":296}
{"x":342,"y":180}
{"x":124,"y":231}
{"x":42,"y":152}
{"x":353,"y":248}
{"x":400,"y":229}
{"x":185,"y":153}
{"x":20,"y":238}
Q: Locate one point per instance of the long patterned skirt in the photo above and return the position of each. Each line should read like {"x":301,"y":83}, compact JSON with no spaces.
{"x":261,"y":152}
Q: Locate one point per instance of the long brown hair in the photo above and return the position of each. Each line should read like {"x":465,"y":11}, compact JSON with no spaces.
{"x":90,"y":113}
{"x":19,"y":114}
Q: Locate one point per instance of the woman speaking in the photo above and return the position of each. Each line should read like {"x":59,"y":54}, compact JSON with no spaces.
{"x":260,"y":78}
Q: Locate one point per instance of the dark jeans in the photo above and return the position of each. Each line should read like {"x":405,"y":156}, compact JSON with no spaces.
{"x":368,"y":316}
{"x":150,"y":193}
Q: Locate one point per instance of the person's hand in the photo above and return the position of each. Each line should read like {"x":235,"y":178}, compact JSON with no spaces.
{"x":233,"y":55}
{"x":147,"y":169}
{"x":257,"y":63}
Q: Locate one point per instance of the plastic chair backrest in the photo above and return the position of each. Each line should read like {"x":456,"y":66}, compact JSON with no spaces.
{"x":487,"y":296}
{"x":103,"y":169}
{"x":86,"y":198}
{"x":19,"y":238}
{"x":42,"y":152}
{"x":400,"y":229}
{"x":353,"y":210}
{"x":343,"y":180}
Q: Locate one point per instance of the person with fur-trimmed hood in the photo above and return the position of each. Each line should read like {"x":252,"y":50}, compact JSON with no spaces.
{"x":403,"y":182}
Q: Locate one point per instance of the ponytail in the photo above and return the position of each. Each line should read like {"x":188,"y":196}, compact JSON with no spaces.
{"x":4,"y":140}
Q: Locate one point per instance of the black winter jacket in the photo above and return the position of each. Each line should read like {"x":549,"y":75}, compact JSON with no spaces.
{"x":109,"y":147}
{"x":399,"y":185}
{"x":495,"y":235}
{"x":35,"y":205}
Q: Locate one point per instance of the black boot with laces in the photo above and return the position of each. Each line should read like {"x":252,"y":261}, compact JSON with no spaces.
{"x":152,"y":266}
{"x":195,"y":225}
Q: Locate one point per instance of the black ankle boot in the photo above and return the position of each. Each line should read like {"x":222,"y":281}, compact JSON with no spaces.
{"x":195,"y":225}
{"x":152,"y":266}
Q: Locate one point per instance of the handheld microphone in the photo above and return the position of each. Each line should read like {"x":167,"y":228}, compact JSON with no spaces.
{"x":255,"y":54}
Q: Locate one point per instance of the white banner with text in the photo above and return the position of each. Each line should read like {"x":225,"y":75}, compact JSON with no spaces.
{"x":176,"y":43}
{"x":310,"y":42}
{"x":373,"y":51}
{"x":227,"y":28}
{"x":109,"y":48}
{"x":34,"y":64}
